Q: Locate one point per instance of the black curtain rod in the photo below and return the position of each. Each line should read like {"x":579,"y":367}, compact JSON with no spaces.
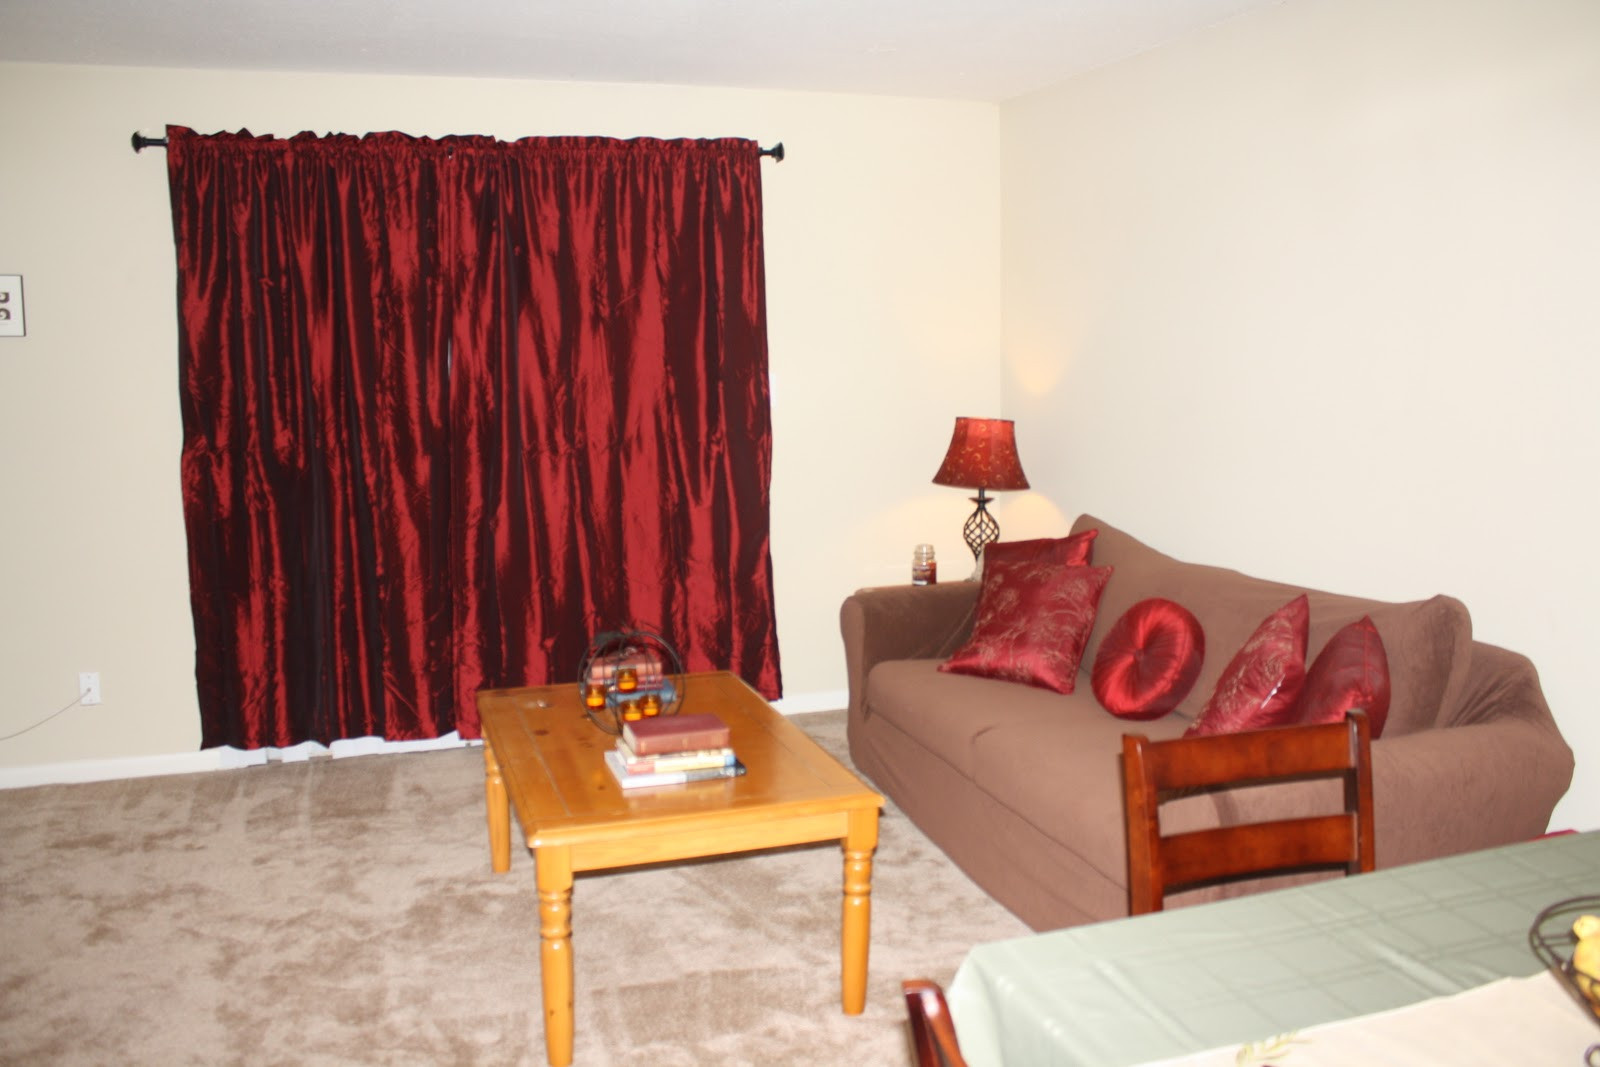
{"x":141,"y":142}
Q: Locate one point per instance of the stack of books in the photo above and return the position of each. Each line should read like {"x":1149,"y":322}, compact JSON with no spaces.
{"x":671,"y":750}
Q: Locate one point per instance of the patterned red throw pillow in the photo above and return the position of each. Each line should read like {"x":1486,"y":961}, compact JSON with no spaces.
{"x":1261,"y":683}
{"x":1148,"y":660}
{"x":1033,"y":621}
{"x":1074,"y":551}
{"x":1351,"y":671}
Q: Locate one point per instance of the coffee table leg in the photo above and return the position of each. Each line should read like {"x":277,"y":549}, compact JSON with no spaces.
{"x":857,"y":925}
{"x":555,"y":950}
{"x":499,"y":807}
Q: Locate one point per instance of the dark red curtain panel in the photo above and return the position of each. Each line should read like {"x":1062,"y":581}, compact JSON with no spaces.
{"x":610,"y":411}
{"x":450,"y":407}
{"x":313,"y":331}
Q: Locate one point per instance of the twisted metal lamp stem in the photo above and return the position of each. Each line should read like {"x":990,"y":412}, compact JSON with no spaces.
{"x":980,"y":527}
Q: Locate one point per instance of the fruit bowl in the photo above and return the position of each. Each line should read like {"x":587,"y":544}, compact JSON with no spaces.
{"x":1553,"y":941}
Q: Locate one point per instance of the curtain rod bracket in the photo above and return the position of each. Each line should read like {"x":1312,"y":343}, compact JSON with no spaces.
{"x":141,"y":142}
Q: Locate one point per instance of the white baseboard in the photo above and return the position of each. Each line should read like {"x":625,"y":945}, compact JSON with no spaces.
{"x":101,"y":770}
{"x":799,"y":704}
{"x":222,"y":759}
{"x":209,"y":759}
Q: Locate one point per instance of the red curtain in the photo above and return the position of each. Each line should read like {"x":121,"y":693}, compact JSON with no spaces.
{"x":451,"y":406}
{"x":312,"y":343}
{"x":610,"y":413}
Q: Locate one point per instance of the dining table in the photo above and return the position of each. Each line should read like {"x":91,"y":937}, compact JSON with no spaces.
{"x":1431,"y":951}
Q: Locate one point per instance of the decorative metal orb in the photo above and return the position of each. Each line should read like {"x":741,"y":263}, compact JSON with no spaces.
{"x":628,"y":675}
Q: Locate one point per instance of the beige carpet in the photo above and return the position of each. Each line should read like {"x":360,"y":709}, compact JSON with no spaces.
{"x":343,"y":912}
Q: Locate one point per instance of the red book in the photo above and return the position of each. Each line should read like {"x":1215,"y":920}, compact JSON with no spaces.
{"x":644,"y":678}
{"x":675,"y":733}
{"x":645,"y":665}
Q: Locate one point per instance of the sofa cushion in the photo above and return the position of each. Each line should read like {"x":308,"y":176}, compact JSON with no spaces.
{"x":1052,"y":759}
{"x":947,"y":712}
{"x":1261,"y":684}
{"x":1033,"y":619}
{"x":1428,"y":642}
{"x":1148,"y":660}
{"x":1059,"y":764}
{"x":1351,"y":671}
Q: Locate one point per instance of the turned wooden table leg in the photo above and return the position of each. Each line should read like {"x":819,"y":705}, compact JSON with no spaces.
{"x":499,"y":807}
{"x":857,"y":923}
{"x":555,"y":950}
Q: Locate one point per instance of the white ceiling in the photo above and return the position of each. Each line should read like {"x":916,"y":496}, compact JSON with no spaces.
{"x":955,"y":49}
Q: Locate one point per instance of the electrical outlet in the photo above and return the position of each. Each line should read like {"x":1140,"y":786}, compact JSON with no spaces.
{"x":11,"y":322}
{"x":89,"y":686}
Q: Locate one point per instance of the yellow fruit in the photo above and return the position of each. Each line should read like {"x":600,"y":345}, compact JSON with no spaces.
{"x":1586,"y":957}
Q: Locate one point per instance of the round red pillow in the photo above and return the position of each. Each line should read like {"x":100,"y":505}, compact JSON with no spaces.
{"x":1148,"y":660}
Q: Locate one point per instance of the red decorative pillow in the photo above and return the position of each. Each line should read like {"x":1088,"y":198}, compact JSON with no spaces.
{"x":1148,"y":660}
{"x":1259,"y":686}
{"x":1074,"y":551}
{"x":1033,"y":620}
{"x":1351,"y":671}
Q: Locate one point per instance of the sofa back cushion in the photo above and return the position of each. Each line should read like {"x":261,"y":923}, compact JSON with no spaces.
{"x":1427,"y":642}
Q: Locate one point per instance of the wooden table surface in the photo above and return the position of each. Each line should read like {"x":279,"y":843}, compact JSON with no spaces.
{"x":544,"y":760}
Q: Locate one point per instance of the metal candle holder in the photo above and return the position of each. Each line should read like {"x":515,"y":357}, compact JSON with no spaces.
{"x":609,"y":687}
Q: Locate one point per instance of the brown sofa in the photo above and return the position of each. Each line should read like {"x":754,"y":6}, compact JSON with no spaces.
{"x":1021,"y":786}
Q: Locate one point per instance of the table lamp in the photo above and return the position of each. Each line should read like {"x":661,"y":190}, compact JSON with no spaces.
{"x":982,"y":456}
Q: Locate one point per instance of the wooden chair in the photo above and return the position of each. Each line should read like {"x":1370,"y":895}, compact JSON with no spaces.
{"x":932,"y":1032}
{"x":1153,"y":770}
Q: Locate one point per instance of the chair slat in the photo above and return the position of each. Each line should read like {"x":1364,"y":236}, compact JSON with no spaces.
{"x":1206,"y":856}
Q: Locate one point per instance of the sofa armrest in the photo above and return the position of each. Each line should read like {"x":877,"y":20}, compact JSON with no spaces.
{"x":1457,"y":789}
{"x":1490,"y":773}
{"x":902,"y":622}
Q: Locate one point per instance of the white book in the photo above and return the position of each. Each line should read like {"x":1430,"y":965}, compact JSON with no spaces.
{"x":639,"y":781}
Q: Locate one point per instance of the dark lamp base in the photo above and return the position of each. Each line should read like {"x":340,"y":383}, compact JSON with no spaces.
{"x":980,"y":528}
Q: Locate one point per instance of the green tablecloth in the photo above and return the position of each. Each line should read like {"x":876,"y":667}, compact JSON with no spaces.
{"x":1156,"y":986}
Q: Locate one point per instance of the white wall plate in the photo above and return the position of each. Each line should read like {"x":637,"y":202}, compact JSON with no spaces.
{"x":11,"y":323}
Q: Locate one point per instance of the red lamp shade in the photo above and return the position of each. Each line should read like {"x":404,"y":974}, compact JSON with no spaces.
{"x":982,"y":455}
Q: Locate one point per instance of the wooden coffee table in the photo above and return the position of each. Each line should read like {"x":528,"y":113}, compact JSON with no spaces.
{"x":543,"y":758}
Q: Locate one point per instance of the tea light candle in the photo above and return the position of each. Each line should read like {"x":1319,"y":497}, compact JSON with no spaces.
{"x":627,"y":680}
{"x":594,"y":696}
{"x":650,"y":704}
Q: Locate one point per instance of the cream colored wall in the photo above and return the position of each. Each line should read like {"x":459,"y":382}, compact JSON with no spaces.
{"x":1316,"y":294}
{"x":883,"y":272}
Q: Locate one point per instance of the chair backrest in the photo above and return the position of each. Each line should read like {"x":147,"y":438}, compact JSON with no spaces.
{"x":933,"y":1034}
{"x":1153,"y":770}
